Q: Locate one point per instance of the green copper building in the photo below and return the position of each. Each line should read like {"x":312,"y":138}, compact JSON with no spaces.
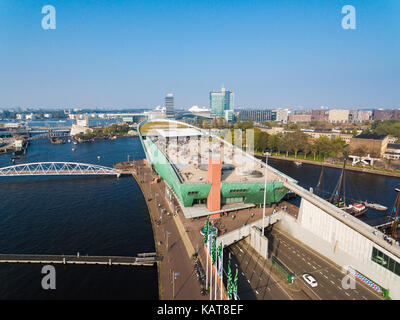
{"x":205,"y":173}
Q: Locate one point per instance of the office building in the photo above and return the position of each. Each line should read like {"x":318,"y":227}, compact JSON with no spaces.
{"x":169,"y":105}
{"x":221,"y":101}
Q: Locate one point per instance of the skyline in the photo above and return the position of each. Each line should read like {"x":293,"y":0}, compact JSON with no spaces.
{"x":130,"y":55}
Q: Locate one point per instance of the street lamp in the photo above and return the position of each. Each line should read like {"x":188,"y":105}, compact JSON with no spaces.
{"x":265,"y":191}
{"x":167,"y":233}
{"x":174,"y":275}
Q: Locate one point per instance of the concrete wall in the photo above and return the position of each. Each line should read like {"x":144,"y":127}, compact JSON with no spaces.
{"x":258,"y":242}
{"x":340,"y":243}
{"x":241,"y":233}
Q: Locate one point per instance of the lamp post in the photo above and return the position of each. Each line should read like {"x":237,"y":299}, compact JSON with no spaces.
{"x":265,"y":191}
{"x":174,"y":275}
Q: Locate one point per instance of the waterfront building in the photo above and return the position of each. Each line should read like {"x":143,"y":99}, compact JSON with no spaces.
{"x":338,"y":116}
{"x":185,"y":157}
{"x":381,"y":114}
{"x":371,"y":143}
{"x":359,"y":116}
{"x":169,"y":105}
{"x":221,"y":101}
{"x":257,"y":115}
{"x":319,"y":115}
{"x":392,"y":151}
{"x":281,"y":115}
{"x":301,"y":116}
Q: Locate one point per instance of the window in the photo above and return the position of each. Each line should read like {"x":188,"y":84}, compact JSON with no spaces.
{"x":193,"y":193}
{"x":385,"y":261}
{"x":262,"y":190}
{"x":239,"y":191}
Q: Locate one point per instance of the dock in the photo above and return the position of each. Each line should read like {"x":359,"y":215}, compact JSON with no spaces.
{"x":143,"y":259}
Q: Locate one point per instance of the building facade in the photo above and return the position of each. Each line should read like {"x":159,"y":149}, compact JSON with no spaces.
{"x":169,"y":105}
{"x":319,"y":115}
{"x":300,"y":116}
{"x":371,"y":143}
{"x":281,"y":115}
{"x":381,"y":114}
{"x":257,"y":115}
{"x":338,"y":116}
{"x":221,"y":101}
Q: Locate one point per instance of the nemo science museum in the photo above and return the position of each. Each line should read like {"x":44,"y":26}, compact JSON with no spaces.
{"x":205,"y":173}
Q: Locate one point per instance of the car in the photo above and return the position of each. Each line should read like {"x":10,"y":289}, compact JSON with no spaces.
{"x":310,"y":280}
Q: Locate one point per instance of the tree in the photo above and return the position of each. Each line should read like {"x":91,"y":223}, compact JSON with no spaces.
{"x":297,"y":141}
{"x":324,"y":146}
{"x":261,"y":144}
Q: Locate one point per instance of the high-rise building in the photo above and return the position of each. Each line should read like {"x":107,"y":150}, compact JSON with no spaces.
{"x":169,"y":105}
{"x":220,"y":101}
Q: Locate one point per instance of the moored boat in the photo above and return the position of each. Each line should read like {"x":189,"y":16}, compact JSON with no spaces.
{"x":357,"y":209}
{"x":375,"y":206}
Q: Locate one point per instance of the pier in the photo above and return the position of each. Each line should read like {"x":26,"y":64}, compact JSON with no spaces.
{"x":143,"y":259}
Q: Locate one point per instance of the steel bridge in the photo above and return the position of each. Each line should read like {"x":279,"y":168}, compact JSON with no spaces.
{"x":57,"y":169}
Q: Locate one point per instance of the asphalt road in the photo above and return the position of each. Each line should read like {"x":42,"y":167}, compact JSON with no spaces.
{"x":254,"y":277}
{"x":329,"y":277}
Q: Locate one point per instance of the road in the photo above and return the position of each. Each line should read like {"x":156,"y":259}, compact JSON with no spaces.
{"x":254,"y":276}
{"x":301,"y":259}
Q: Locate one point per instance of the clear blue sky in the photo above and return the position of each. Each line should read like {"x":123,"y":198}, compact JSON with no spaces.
{"x":131,"y":53}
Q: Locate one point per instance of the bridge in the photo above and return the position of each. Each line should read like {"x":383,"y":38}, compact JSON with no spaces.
{"x":143,"y":259}
{"x":57,"y":169}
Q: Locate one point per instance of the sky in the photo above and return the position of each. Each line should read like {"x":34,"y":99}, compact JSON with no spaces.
{"x":270,"y":53}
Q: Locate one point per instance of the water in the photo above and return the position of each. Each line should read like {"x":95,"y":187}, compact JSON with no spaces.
{"x":360,"y":186}
{"x":66,"y":215}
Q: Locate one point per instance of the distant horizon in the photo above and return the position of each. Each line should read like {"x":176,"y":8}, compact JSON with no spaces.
{"x":45,"y":108}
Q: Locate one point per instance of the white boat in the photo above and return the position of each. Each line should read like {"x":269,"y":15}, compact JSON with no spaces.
{"x":375,"y":206}
{"x":297,"y":163}
{"x":357,"y":208}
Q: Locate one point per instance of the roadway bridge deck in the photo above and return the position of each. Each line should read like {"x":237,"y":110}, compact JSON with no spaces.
{"x":146,"y":259}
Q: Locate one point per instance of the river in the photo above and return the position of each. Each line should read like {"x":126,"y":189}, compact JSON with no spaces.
{"x":66,"y":215}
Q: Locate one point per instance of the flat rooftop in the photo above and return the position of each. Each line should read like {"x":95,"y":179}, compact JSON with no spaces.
{"x":190,"y":155}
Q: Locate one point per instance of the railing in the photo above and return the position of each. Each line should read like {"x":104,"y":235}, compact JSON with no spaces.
{"x":57,"y":168}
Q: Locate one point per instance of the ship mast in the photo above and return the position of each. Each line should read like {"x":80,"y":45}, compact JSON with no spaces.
{"x":318,"y":189}
{"x":339,"y":194}
{"x":396,"y":214}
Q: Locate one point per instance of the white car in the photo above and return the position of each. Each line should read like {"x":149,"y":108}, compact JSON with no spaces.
{"x":310,"y":280}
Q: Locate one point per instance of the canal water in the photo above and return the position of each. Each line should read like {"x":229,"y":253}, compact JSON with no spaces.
{"x":359,"y":186}
{"x":66,"y":215}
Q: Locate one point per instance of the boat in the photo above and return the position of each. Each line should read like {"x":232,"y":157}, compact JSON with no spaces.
{"x":297,"y":163}
{"x":338,"y":197}
{"x":357,"y":209}
{"x":375,"y":206}
{"x":73,"y":149}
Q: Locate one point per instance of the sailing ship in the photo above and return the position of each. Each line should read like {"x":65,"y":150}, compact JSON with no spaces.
{"x":338,"y":197}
